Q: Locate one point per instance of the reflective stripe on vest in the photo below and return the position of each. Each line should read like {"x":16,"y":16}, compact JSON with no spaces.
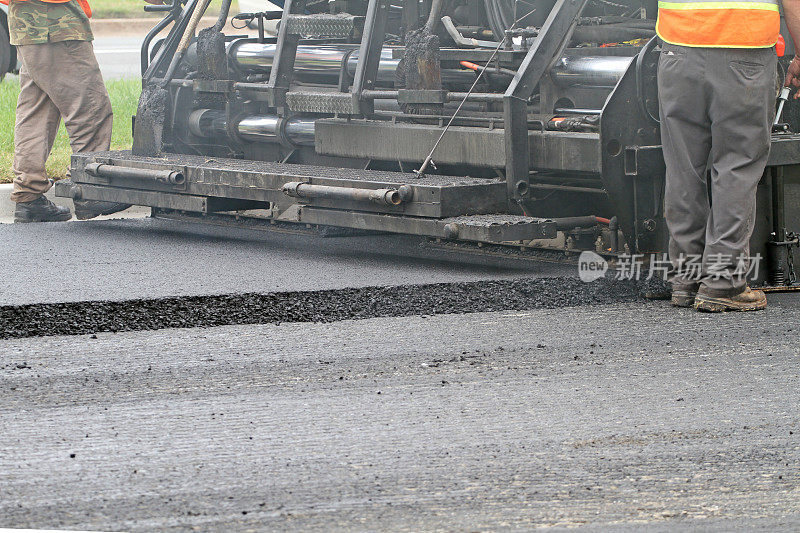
{"x":83,"y":3}
{"x":742,"y":24}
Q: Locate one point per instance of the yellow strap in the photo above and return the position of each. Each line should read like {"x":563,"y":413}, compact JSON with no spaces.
{"x":718,"y":5}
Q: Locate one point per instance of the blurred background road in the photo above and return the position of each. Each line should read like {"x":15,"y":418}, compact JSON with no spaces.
{"x":118,"y":56}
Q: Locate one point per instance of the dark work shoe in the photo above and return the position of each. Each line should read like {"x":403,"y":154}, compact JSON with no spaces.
{"x":41,"y":210}
{"x":683,"y":296}
{"x":86,"y":209}
{"x":748,"y":300}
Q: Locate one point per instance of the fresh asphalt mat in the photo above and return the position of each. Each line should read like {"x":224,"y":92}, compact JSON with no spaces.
{"x":633,"y":416}
{"x":155,"y":258}
{"x":71,"y":279}
{"x":467,"y":396}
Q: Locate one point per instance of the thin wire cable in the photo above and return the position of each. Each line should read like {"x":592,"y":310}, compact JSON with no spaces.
{"x":421,"y":170}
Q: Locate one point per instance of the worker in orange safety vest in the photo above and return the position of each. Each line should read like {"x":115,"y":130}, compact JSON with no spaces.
{"x":717,"y":92}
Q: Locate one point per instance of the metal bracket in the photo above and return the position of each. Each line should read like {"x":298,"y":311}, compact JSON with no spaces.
{"x":548,"y":44}
{"x":280,"y":77}
{"x":213,"y":86}
{"x":643,"y":161}
{"x":421,"y":96}
{"x":369,"y":53}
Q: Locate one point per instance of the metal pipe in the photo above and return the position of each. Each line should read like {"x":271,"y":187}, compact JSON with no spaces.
{"x":613,"y":227}
{"x":171,"y":177}
{"x":391,"y":197}
{"x":451,"y":96}
{"x":266,"y":128}
{"x":577,"y":111}
{"x":313,"y":62}
{"x":607,"y":33}
{"x":323,"y":63}
{"x":299,"y":130}
{"x":258,"y":128}
{"x":567,"y":188}
{"x":368,"y":94}
{"x":145,"y":53}
{"x":170,"y":42}
{"x":568,"y":223}
{"x":598,"y":71}
{"x":460,"y":40}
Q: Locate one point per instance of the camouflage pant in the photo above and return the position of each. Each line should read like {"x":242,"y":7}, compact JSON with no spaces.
{"x":60,"y":79}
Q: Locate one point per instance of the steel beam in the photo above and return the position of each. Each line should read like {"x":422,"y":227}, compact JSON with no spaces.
{"x":479,"y":228}
{"x":515,"y":109}
{"x":280,"y":77}
{"x":369,"y":53}
{"x":480,"y":147}
{"x":433,"y":196}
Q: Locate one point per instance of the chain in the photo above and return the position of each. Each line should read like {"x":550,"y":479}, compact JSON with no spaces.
{"x":792,"y":237}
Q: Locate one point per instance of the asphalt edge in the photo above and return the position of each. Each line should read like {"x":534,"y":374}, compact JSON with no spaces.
{"x":332,"y":305}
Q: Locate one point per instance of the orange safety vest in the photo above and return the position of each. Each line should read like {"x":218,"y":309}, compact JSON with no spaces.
{"x":719,"y":23}
{"x":83,"y":3}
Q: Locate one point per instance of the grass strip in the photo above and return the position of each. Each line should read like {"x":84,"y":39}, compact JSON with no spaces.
{"x":124,"y":96}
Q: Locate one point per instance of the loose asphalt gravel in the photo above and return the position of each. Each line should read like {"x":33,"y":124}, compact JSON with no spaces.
{"x":75,"y":318}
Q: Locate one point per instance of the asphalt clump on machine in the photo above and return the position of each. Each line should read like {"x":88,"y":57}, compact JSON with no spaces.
{"x":79,"y":318}
{"x":149,"y":128}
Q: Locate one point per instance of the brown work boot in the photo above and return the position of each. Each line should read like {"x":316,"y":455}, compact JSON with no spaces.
{"x":684,"y":295}
{"x":747,"y":300}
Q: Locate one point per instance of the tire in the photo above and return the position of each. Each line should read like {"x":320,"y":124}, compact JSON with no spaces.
{"x":5,"y":52}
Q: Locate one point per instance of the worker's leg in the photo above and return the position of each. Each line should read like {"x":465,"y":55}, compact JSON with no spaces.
{"x":686,"y":139}
{"x":34,"y":132}
{"x":68,"y":72}
{"x":741,"y":111}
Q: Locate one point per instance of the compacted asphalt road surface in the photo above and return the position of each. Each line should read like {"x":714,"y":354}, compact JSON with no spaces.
{"x":581,"y":408}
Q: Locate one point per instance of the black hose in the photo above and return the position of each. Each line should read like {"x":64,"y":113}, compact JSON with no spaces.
{"x":433,"y":16}
{"x":610,"y":33}
{"x":640,"y":98}
{"x":624,"y":21}
{"x":500,"y":16}
{"x":170,"y":43}
{"x":223,"y":15}
{"x":647,"y":24}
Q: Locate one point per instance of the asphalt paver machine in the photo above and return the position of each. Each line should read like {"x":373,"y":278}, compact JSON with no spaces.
{"x":505,"y":122}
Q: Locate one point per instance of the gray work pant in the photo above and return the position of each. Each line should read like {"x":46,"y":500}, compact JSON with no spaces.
{"x":716,"y":107}
{"x":57,"y":80}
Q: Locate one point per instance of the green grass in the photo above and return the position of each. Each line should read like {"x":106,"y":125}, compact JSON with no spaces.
{"x":124,"y":99}
{"x":109,"y":9}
